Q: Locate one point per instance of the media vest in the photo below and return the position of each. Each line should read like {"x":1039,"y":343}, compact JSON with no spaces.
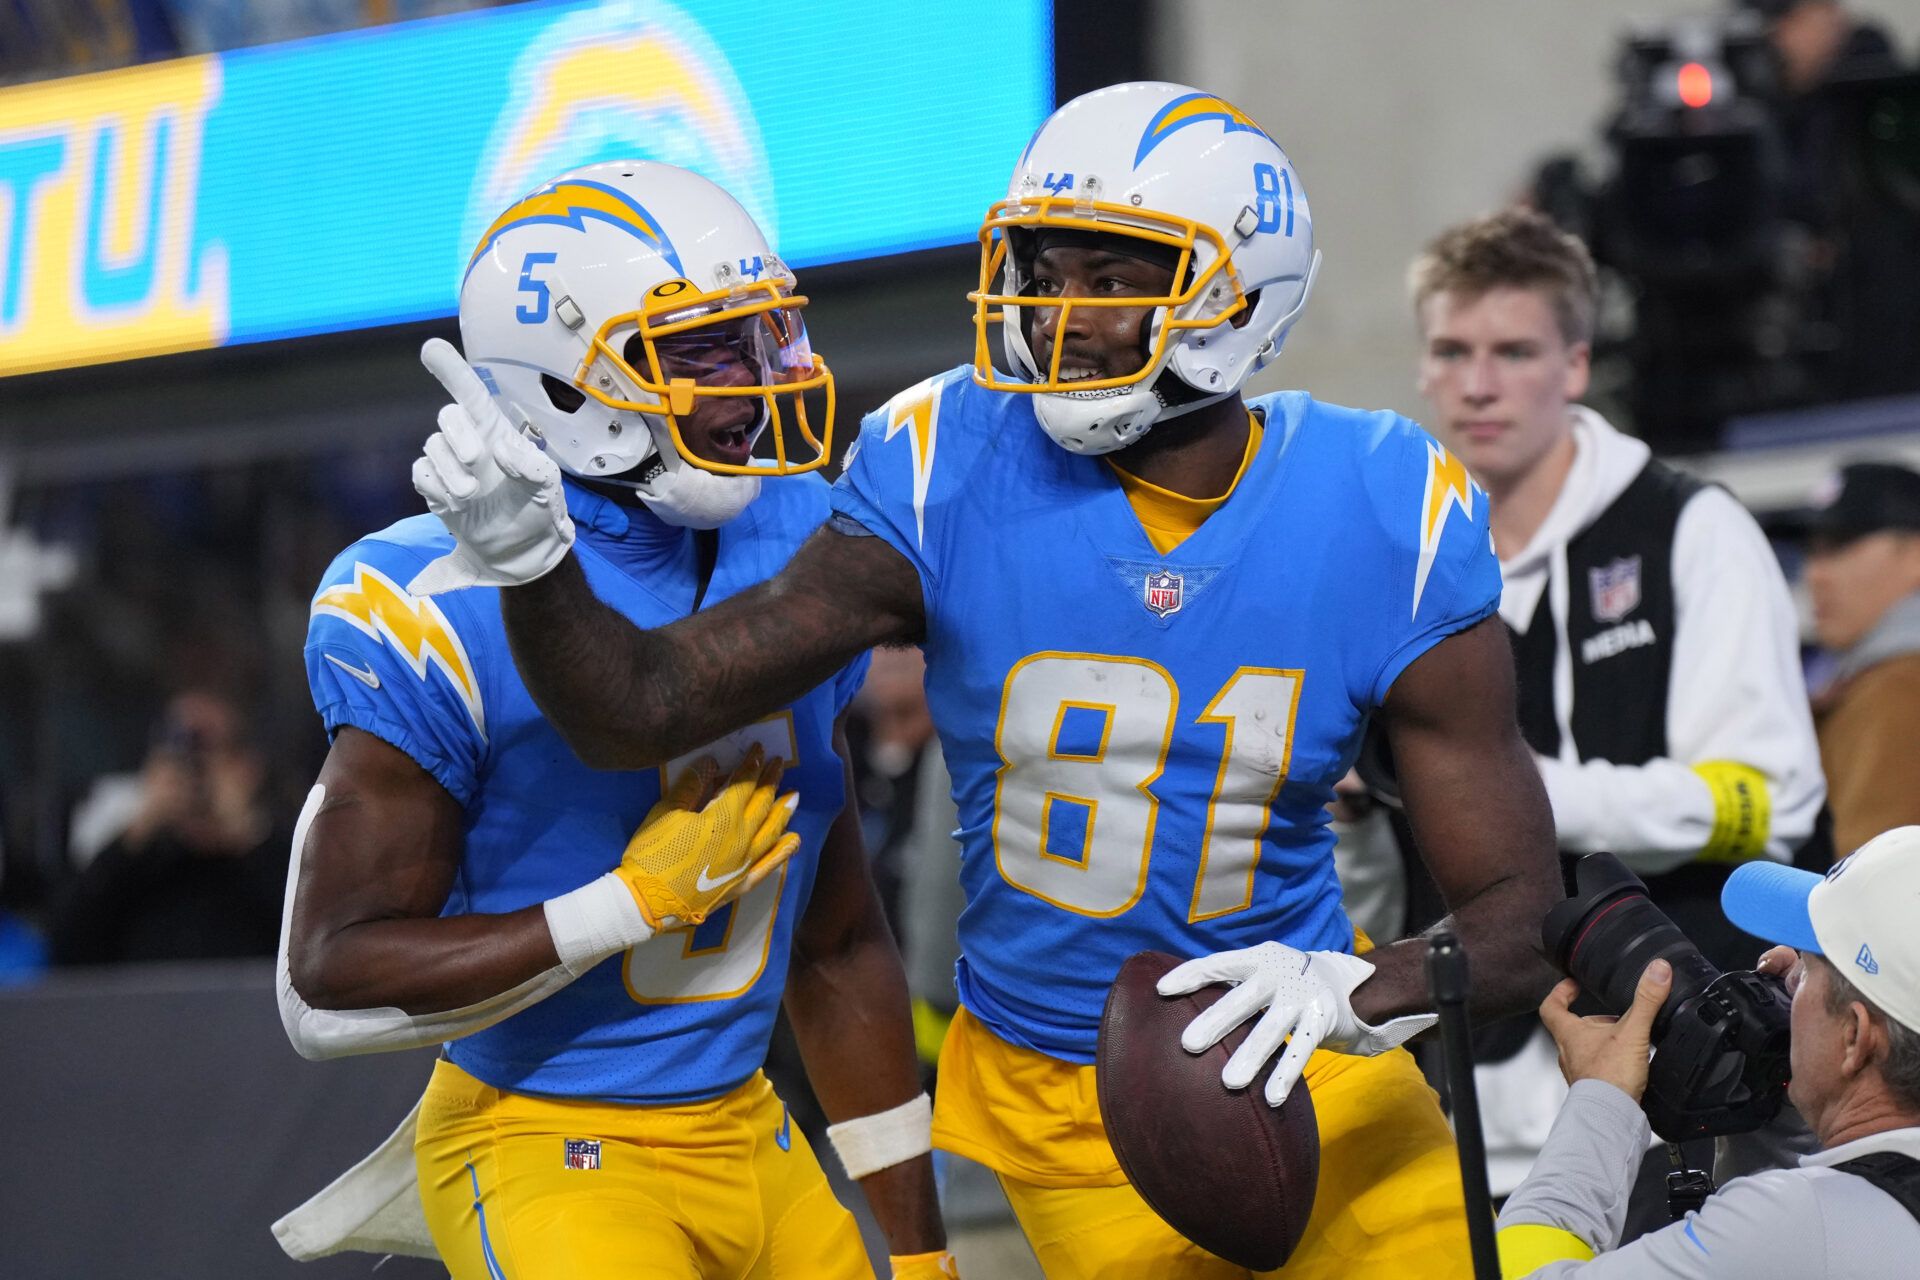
{"x":1619,"y":635}
{"x":1620,"y":616}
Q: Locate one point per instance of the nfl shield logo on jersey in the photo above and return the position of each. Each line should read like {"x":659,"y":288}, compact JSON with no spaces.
{"x":1616,"y":589}
{"x":1163,"y":593}
{"x":583,"y":1153}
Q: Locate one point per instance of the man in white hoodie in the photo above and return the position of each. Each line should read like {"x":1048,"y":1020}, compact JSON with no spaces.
{"x":1657,"y":650}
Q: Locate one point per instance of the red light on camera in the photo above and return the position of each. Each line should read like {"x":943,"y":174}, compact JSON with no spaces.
{"x":1695,"y":83}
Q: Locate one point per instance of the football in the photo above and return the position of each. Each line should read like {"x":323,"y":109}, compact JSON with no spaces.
{"x":1225,"y":1170}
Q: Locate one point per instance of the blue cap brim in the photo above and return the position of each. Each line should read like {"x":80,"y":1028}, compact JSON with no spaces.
{"x":1770,"y":901}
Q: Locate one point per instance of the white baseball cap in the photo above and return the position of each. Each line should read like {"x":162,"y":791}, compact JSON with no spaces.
{"x":1863,"y":916}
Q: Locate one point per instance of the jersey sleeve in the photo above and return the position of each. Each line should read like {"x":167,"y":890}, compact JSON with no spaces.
{"x":399,"y":666}
{"x":1438,"y":523}
{"x":890,"y":485}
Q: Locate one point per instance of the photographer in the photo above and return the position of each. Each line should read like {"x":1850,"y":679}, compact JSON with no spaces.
{"x":200,"y":872}
{"x":1852,"y":1209}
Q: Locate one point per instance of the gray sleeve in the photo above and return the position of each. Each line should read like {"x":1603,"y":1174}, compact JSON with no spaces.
{"x":1767,"y":1227}
{"x":930,"y":895}
{"x":1585,"y":1172}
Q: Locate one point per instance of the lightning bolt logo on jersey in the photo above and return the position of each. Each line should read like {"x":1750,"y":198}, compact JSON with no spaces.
{"x":1448,"y":489}
{"x":674,"y":1021}
{"x":414,"y":627}
{"x":1149,"y":741}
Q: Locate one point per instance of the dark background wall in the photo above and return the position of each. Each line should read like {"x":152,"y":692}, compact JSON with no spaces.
{"x":155,"y":1122}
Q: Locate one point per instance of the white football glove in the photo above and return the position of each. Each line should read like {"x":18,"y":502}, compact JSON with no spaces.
{"x":493,"y":488}
{"x":1307,"y":997}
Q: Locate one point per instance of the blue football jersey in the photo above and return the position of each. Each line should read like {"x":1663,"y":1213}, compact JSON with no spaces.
{"x":1143,"y":745}
{"x":687,"y":1015}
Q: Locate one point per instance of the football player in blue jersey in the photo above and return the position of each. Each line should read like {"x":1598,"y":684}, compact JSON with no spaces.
{"x":605,"y":994}
{"x":1157,"y":618}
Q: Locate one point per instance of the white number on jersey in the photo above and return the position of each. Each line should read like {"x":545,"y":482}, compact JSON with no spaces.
{"x":1082,"y":738}
{"x":724,"y":957}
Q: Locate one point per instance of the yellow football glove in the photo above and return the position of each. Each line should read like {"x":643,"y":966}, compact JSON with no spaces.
{"x":693,"y":854}
{"x":925,"y":1266}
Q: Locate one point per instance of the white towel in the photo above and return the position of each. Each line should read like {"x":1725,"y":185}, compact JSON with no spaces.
{"x":373,"y":1207}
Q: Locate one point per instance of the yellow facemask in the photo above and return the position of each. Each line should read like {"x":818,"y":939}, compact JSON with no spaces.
{"x":1211,"y":297}
{"x":760,"y":313}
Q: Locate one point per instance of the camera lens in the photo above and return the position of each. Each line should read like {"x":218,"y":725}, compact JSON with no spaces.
{"x":1608,"y":932}
{"x":1719,"y":1041}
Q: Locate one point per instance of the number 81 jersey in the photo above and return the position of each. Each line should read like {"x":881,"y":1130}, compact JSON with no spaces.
{"x":1143,"y":745}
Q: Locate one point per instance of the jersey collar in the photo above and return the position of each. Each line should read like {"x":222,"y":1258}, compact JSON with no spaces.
{"x":617,"y":521}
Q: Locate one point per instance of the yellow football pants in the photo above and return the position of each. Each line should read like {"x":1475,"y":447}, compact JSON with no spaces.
{"x":720,"y":1190}
{"x":1388,"y":1204}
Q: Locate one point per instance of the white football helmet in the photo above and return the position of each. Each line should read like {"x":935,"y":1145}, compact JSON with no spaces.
{"x":602,"y":308}
{"x":1180,"y":169}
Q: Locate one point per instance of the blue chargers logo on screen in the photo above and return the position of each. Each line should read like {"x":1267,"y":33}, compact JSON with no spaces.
{"x":626,"y":80}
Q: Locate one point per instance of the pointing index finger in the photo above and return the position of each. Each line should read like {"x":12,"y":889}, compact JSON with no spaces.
{"x":457,"y":376}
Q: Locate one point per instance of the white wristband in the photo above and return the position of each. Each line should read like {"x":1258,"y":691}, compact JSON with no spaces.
{"x":595,"y":921}
{"x":868,"y":1144}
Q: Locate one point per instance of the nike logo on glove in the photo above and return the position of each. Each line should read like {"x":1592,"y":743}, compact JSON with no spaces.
{"x":705,"y":885}
{"x":367,"y":676}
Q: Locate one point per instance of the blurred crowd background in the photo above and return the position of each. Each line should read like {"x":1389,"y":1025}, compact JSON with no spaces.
{"x":1747,"y":174}
{"x":43,"y":38}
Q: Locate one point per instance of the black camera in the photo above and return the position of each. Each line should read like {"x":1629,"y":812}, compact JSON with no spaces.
{"x":1719,"y":1042}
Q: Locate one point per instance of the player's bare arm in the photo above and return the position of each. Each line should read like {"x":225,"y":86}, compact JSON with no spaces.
{"x":625,"y":698}
{"x":1481,"y":819}
{"x":379,"y":847}
{"x":380,"y":858}
{"x":847,"y":1000}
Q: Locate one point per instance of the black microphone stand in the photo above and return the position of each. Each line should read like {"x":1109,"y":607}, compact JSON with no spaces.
{"x":1447,"y":984}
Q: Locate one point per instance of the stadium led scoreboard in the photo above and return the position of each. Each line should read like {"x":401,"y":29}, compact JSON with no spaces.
{"x":340,"y":182}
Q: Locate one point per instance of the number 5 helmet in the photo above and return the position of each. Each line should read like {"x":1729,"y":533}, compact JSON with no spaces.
{"x":606,"y":307}
{"x":1181,"y":170}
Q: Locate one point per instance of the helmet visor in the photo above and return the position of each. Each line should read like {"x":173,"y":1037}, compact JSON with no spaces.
{"x":683,"y":348}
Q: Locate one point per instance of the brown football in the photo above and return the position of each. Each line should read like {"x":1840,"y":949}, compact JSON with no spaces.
{"x":1225,"y":1170}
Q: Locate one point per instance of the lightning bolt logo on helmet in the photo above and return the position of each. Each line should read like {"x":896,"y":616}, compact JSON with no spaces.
{"x":1194,"y":108}
{"x":572,"y":204}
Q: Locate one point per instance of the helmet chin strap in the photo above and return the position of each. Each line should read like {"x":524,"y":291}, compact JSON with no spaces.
{"x":696,"y":499}
{"x":1106,"y":425}
{"x":1185,"y":406}
{"x":680,"y":493}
